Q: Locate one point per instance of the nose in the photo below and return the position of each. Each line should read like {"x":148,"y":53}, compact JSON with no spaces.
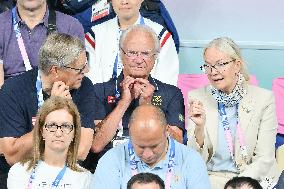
{"x":124,"y":2}
{"x":213,"y":70}
{"x":87,"y":69}
{"x":58,"y":132}
{"x":138,"y":59}
{"x":147,"y":153}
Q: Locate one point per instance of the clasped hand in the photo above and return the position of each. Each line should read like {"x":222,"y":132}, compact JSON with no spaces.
{"x":137,"y":88}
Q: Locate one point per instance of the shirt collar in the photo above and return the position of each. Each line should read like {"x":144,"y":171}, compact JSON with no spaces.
{"x":137,"y":21}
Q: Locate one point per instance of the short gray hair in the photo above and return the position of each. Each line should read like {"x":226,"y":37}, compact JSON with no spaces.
{"x":59,"y":50}
{"x":142,"y":28}
{"x":230,"y":48}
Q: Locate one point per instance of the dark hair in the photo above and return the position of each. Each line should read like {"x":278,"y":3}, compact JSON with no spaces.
{"x":145,"y":178}
{"x":237,"y":182}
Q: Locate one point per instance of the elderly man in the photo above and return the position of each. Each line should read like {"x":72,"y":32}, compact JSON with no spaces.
{"x":102,"y":44}
{"x":151,"y":150}
{"x":61,"y":72}
{"x":117,"y":98}
{"x":24,"y":29}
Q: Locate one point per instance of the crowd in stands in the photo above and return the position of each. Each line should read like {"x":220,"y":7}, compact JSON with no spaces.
{"x":101,"y":109}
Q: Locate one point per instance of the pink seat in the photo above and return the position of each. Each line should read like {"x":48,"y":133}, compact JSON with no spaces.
{"x":187,"y":82}
{"x":278,"y":89}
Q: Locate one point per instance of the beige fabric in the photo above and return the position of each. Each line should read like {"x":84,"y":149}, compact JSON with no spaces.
{"x":280,"y":157}
{"x":218,"y":180}
{"x":258,"y":121}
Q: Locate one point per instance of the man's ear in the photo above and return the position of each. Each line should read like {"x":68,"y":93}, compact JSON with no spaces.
{"x":54,"y":71}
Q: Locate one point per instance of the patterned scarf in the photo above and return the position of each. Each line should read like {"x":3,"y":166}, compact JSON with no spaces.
{"x":232,"y":99}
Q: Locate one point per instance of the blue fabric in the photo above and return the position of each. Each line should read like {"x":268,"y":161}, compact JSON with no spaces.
{"x":279,"y":140}
{"x":221,"y":160}
{"x":113,"y":170}
{"x":171,"y":102}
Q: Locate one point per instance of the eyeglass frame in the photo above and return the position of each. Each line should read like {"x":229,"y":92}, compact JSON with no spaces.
{"x":139,"y":54}
{"x":59,"y":126}
{"x":222,"y":64}
{"x":78,"y":70}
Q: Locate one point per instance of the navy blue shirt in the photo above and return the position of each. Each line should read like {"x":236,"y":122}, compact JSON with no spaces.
{"x":167,"y":97}
{"x":19,"y":104}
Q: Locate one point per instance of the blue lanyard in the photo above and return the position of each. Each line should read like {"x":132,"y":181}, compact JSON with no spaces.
{"x":134,"y":164}
{"x":39,"y":91}
{"x":59,"y":177}
{"x":55,"y":183}
{"x":20,"y":40}
{"x":117,"y":67}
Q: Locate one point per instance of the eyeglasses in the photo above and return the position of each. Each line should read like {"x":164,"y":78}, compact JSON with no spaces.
{"x":220,"y":67}
{"x":65,"y":128}
{"x":78,"y":70}
{"x":142,"y":54}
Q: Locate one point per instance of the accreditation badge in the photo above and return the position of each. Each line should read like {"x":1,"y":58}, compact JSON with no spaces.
{"x":100,"y":9}
{"x":119,"y":140}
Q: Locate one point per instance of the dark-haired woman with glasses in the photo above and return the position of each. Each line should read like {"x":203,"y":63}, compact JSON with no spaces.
{"x":232,"y":123}
{"x":54,"y":161}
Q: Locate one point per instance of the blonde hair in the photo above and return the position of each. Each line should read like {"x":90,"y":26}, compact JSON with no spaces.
{"x":230,"y":48}
{"x":50,"y":105}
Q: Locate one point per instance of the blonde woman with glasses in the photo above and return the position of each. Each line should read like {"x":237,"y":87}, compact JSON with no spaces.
{"x":56,"y":137}
{"x":232,"y":123}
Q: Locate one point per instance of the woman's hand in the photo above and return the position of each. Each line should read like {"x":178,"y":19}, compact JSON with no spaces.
{"x":197,"y":113}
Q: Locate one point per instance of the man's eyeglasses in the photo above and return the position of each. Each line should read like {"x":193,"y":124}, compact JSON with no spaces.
{"x":142,"y":54}
{"x":78,"y":70}
{"x":65,"y":128}
{"x":220,"y":67}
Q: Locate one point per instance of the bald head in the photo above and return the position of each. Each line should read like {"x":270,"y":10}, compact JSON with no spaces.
{"x":147,"y":130}
{"x":145,"y":114}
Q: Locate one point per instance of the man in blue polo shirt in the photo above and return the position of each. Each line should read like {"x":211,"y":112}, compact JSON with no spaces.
{"x":117,"y":98}
{"x":61,"y":72}
{"x":23,"y":31}
{"x":151,"y":150}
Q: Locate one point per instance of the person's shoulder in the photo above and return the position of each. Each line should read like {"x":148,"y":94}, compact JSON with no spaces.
{"x":20,"y":82}
{"x":107,"y":25}
{"x":259,"y":90}
{"x":166,"y":86}
{"x":188,"y":153}
{"x":65,"y":17}
{"x":116,"y":154}
{"x":6,"y":16}
{"x":18,"y":168}
{"x":154,"y":25}
{"x":105,"y":88}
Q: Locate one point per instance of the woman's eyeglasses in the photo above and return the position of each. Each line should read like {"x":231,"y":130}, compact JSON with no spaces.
{"x":65,"y":128}
{"x":220,"y":67}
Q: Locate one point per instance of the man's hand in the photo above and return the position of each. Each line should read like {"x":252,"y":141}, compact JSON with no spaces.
{"x":59,"y":88}
{"x":127,"y":92}
{"x":145,"y":90}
